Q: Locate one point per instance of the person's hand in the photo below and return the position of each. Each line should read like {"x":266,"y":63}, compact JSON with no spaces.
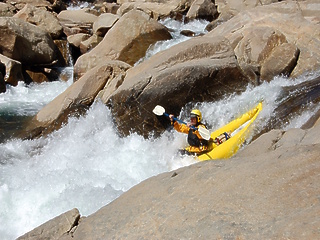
{"x":171,"y":116}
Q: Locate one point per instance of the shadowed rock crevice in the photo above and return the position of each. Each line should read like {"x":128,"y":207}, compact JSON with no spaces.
{"x":293,"y":101}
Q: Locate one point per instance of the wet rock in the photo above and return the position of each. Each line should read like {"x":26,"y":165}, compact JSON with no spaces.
{"x":25,"y":42}
{"x":63,"y":53}
{"x":127,"y":41}
{"x":37,"y":77}
{"x":313,"y":120}
{"x":200,"y":69}
{"x":292,"y":101}
{"x":2,"y":74}
{"x":14,"y":72}
{"x":41,"y":18}
{"x":58,"y":6}
{"x":188,"y":33}
{"x":40,"y":75}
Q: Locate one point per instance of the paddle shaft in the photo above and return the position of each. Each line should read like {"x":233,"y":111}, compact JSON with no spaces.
{"x":178,"y":120}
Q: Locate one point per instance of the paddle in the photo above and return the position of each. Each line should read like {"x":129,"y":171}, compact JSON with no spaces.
{"x":159,"y":110}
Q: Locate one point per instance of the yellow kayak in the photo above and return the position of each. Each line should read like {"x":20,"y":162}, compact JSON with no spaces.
{"x":229,"y":147}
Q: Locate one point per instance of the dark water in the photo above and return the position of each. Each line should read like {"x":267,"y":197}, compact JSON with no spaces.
{"x":12,"y":126}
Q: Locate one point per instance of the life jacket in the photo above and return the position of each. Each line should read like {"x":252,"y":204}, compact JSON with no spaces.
{"x":194,"y":140}
{"x":197,"y":144}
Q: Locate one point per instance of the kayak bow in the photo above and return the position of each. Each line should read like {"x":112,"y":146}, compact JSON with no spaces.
{"x":232,"y":145}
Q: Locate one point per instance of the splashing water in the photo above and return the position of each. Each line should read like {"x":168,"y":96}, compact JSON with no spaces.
{"x":79,"y":5}
{"x":27,"y":100}
{"x":18,"y":104}
{"x":197,"y":26}
{"x":87,"y":165}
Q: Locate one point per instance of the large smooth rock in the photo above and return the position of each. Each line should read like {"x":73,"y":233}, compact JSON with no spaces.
{"x":25,"y":42}
{"x":285,"y":18}
{"x":42,"y":18}
{"x":127,"y":41}
{"x":199,"y":69}
{"x":79,"y":95}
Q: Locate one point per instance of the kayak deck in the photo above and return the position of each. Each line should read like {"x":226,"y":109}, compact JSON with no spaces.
{"x":232,"y":145}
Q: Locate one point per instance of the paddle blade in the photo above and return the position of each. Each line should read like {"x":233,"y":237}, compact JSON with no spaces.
{"x":158,"y":110}
{"x":205,"y":134}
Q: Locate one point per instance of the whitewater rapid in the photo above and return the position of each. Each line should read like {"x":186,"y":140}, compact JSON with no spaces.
{"x":86,"y":164}
{"x":27,"y":100}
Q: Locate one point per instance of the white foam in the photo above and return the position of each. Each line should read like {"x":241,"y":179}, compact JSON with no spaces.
{"x":27,"y":100}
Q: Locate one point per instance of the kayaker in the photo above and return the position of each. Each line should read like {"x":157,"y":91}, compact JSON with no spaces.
{"x":196,"y":142}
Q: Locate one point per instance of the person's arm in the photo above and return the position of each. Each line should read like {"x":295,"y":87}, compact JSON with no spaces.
{"x":177,"y":126}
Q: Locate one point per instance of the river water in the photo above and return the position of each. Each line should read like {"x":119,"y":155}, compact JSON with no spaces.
{"x":86,"y":164}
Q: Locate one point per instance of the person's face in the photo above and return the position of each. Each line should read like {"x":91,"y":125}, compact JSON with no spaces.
{"x":193,"y":121}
